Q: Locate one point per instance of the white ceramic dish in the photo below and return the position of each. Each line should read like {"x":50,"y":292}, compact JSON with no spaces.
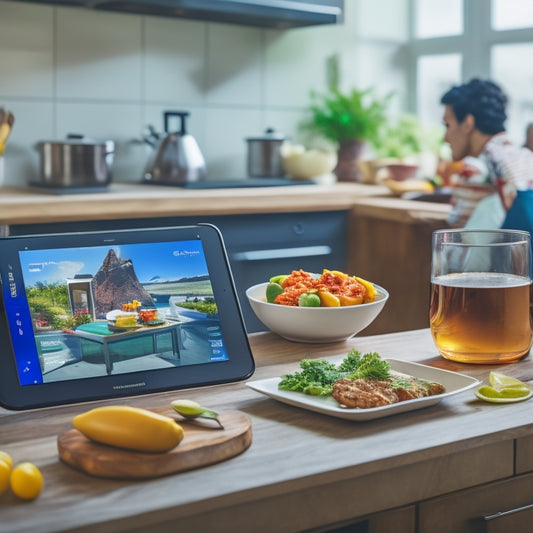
{"x":315,"y":324}
{"x":453,"y":382}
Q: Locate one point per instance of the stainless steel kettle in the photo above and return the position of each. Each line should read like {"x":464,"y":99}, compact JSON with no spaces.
{"x":176,"y":159}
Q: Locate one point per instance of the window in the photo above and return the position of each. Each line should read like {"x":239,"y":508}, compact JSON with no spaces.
{"x":435,"y":19}
{"x":512,"y":14}
{"x":509,"y":65}
{"x":453,"y":41}
{"x":436,"y":74}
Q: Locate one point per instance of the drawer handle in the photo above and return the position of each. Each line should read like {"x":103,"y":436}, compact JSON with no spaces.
{"x":281,"y":253}
{"x":518,"y":519}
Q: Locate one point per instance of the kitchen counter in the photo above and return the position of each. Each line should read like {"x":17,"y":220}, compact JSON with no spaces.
{"x":27,"y":206}
{"x":304,"y":471}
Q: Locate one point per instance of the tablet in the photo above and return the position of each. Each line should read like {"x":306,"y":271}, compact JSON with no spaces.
{"x":87,"y":316}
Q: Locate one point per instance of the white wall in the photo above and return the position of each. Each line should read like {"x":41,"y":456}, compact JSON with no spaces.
{"x":108,"y":75}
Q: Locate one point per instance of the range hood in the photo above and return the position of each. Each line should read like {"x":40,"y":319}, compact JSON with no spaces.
{"x":261,"y":13}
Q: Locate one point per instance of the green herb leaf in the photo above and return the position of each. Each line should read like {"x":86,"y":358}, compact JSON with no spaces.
{"x":318,"y":376}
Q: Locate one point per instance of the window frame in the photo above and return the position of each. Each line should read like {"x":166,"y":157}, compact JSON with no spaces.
{"x":474,"y":44}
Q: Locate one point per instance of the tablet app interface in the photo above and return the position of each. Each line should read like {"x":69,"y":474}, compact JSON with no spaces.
{"x":103,"y":310}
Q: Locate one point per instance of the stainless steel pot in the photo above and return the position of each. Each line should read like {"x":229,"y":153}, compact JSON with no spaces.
{"x":264,"y":155}
{"x":76,"y":162}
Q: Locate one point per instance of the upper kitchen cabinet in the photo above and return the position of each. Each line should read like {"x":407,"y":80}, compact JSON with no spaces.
{"x":278,"y":14}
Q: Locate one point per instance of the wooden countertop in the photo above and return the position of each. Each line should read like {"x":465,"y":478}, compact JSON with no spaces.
{"x":27,"y":206}
{"x":303,"y":469}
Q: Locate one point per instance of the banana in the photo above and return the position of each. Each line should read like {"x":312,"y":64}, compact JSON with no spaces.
{"x":130,"y":427}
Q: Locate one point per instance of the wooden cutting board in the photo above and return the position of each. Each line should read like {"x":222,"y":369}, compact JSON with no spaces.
{"x":202,"y":445}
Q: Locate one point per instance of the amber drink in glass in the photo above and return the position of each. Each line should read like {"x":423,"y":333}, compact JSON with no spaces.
{"x":481,"y":295}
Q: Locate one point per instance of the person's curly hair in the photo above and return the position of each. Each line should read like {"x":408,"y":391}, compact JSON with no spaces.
{"x":481,"y":98}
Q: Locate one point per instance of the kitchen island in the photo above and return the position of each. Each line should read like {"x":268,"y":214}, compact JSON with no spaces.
{"x":362,"y":229}
{"x":439,"y":469}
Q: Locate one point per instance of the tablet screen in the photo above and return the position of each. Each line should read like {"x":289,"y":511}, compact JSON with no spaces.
{"x":127,"y":307}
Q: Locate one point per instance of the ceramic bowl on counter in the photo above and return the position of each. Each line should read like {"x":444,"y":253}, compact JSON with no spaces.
{"x":401,"y":171}
{"x":315,"y":324}
{"x":300,"y":163}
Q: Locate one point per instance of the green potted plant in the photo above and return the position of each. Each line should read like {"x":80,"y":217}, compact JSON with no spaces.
{"x":400,"y":145}
{"x":349,"y":120}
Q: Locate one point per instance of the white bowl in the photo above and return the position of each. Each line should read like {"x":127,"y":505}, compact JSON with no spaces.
{"x":315,"y":324}
{"x":309,"y":164}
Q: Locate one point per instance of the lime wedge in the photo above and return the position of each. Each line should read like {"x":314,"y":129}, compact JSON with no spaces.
{"x":500,"y":381}
{"x":511,"y":392}
{"x":278,"y":279}
{"x":507,"y":395}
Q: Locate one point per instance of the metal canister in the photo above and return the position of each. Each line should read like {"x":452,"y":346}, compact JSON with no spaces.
{"x":264,"y":155}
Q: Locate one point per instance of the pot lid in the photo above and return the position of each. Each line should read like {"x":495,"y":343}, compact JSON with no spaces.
{"x":77,"y":139}
{"x":270,"y":135}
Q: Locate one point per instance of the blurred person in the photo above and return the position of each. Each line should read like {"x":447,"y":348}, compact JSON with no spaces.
{"x":487,"y":169}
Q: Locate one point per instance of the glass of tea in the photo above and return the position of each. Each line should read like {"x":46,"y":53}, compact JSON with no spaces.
{"x":480,"y":308}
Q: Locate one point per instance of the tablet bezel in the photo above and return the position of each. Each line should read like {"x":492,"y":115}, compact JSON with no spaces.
{"x":239,"y":366}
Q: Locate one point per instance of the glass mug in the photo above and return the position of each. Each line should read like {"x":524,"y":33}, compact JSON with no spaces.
{"x":480,"y":306}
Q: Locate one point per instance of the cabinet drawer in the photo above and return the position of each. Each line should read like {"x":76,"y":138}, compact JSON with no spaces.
{"x":516,"y":520}
{"x":484,"y":509}
{"x":402,"y":520}
{"x":524,"y":455}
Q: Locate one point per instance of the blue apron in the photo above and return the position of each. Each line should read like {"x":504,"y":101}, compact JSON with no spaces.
{"x":520,"y":216}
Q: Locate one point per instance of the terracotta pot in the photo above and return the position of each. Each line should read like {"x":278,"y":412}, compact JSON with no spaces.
{"x":349,"y":155}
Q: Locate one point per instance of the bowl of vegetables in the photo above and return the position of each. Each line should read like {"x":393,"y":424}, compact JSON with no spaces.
{"x":317,"y":308}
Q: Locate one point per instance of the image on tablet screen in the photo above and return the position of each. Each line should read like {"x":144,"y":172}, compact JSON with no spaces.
{"x":104,"y":310}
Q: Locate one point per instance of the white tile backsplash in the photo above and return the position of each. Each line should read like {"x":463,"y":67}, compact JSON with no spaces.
{"x":227,"y":130}
{"x":174,"y":60}
{"x":34,"y":121}
{"x":109,"y":75}
{"x":296,"y":63}
{"x":234,"y":65}
{"x":380,"y":19}
{"x":98,"y":55}
{"x":286,"y":122}
{"x":26,"y":51}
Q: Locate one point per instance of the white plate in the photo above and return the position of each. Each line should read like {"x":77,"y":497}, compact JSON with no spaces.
{"x":453,"y":382}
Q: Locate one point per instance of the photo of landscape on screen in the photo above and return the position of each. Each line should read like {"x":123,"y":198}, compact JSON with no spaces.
{"x":111,"y":310}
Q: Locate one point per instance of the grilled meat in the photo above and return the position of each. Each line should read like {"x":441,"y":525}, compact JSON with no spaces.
{"x":367,"y":393}
{"x":363,"y":393}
